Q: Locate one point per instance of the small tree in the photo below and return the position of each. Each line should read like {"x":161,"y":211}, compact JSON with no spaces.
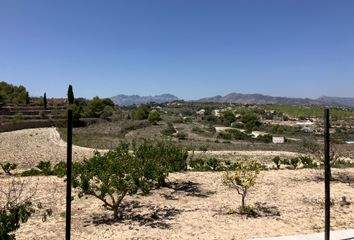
{"x":45,"y":101}
{"x":154,"y":117}
{"x":110,"y":177}
{"x":242,"y":179}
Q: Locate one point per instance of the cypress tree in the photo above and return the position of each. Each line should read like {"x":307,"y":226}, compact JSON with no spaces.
{"x":45,"y":101}
{"x":70,"y":95}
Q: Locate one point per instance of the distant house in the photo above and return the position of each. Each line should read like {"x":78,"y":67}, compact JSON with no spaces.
{"x":278,"y":139}
{"x":216,"y":112}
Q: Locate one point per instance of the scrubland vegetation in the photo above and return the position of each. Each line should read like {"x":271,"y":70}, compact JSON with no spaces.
{"x":165,"y":152}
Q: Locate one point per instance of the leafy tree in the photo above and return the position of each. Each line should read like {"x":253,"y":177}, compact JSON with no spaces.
{"x":154,"y":117}
{"x":96,"y":107}
{"x":242,"y":179}
{"x":110,"y":177}
{"x":251,"y":121}
{"x":227,"y":117}
{"x":10,"y":94}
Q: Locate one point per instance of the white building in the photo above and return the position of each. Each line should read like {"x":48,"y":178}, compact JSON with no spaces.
{"x":278,"y":139}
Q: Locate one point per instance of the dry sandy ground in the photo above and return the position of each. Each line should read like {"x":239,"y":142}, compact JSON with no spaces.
{"x":30,"y":146}
{"x":196,"y":207}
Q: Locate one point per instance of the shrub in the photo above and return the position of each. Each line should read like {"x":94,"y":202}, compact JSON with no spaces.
{"x":277,"y":161}
{"x":242,"y":179}
{"x":8,"y":167}
{"x":16,"y":208}
{"x":169,"y":130}
{"x":203,"y":148}
{"x":182,"y":135}
{"x":237,"y":135}
{"x":267,"y":138}
{"x":214,"y":164}
{"x":60,"y":169}
{"x":225,"y":135}
{"x":31,"y":172}
{"x":110,"y":177}
{"x":198,"y":164}
{"x":159,"y":158}
{"x":307,"y":162}
{"x":295,"y":162}
{"x":141,"y":113}
{"x":45,"y":167}
{"x":154,"y":117}
{"x":285,"y":161}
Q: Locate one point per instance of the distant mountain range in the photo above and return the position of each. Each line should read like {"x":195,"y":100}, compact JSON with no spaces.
{"x":264,"y":99}
{"x":126,"y":100}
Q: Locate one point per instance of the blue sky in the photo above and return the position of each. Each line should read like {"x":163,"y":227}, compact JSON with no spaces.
{"x":190,"y":48}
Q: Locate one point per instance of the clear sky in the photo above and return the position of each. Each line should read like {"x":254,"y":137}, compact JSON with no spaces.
{"x":190,"y":48}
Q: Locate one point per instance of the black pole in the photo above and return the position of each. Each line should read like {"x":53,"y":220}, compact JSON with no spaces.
{"x":327,"y":173}
{"x":69,"y":170}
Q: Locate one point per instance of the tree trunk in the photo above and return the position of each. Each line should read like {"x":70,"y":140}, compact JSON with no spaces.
{"x":116,"y":215}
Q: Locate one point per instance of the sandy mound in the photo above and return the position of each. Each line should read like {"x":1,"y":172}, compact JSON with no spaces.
{"x":196,"y":206}
{"x":28,"y":147}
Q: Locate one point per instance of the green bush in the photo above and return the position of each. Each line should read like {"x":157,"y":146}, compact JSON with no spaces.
{"x":295,"y":162}
{"x":141,"y":113}
{"x":214,"y":164}
{"x":237,"y":135}
{"x":8,"y":167}
{"x":44,"y":168}
{"x":307,"y":162}
{"x":154,"y":117}
{"x":277,"y":161}
{"x":11,"y":215}
{"x":225,"y":135}
{"x":285,"y":161}
{"x":267,"y":138}
{"x":160,"y":158}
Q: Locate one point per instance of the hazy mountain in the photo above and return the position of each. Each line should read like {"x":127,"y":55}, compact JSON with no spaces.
{"x":337,"y":101}
{"x":126,"y":100}
{"x":264,"y":99}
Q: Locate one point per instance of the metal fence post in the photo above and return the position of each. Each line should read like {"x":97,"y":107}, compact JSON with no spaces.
{"x":327,"y":173}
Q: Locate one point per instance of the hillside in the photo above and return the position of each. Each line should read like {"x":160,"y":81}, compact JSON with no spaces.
{"x":265,"y":99}
{"x":126,"y":100}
